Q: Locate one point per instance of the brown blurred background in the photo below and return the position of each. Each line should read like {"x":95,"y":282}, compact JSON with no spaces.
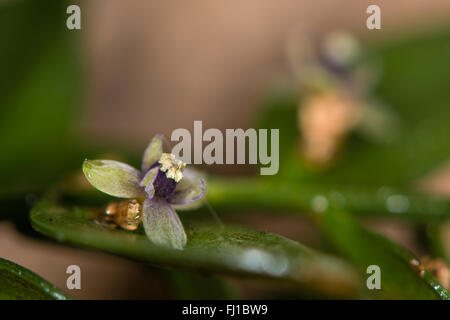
{"x":168,"y":63}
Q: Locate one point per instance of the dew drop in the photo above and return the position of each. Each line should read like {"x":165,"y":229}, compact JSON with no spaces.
{"x":319,"y":203}
{"x":258,"y":260}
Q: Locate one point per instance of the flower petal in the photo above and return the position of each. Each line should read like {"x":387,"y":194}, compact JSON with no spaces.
{"x":114,"y":178}
{"x":147,"y":181}
{"x":162,"y":224}
{"x":152,"y":153}
{"x":190,"y":189}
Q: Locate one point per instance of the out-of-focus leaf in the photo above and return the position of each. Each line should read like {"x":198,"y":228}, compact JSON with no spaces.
{"x":210,"y":249}
{"x":277,"y":114}
{"x":436,"y":234}
{"x":280,"y":112}
{"x":400,"y":278}
{"x":39,"y":92}
{"x":16,"y":282}
{"x":304,"y":198}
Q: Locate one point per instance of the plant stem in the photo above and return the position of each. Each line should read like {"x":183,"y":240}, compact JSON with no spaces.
{"x":276,"y":195}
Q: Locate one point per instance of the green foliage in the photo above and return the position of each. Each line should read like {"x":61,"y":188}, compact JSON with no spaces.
{"x":399,"y":278}
{"x":210,"y":249}
{"x":40,"y":91}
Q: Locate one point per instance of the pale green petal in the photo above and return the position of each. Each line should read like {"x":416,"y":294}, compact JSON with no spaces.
{"x":162,"y":224}
{"x":152,"y":153}
{"x":189,"y":191}
{"x":114,"y":178}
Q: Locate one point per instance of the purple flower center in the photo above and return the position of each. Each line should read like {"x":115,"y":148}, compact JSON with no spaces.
{"x":164,"y":187}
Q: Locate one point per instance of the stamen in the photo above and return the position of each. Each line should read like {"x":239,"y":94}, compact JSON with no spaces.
{"x":172,"y":166}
